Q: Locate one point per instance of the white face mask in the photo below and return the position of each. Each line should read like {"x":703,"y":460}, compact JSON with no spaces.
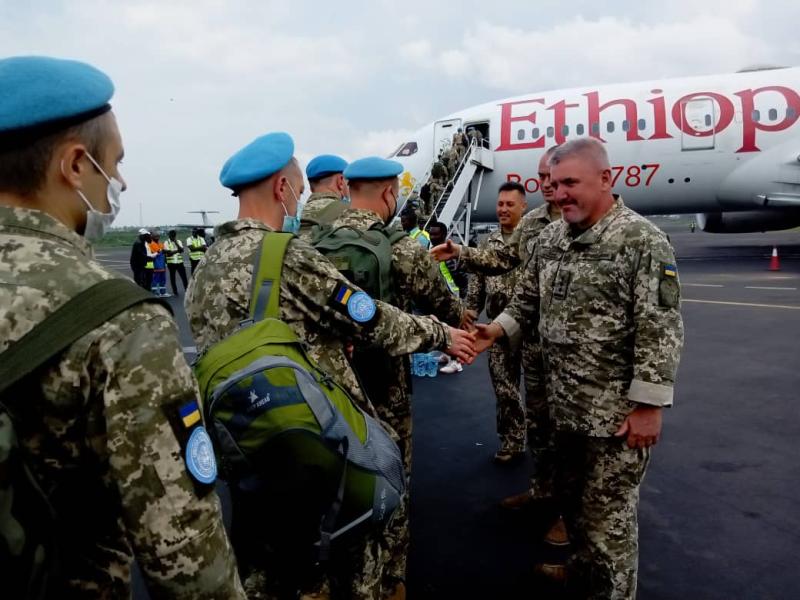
{"x":97,"y":223}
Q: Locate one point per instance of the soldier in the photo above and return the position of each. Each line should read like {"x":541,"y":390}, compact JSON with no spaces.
{"x":603,"y":286}
{"x":494,"y":293}
{"x":475,"y":136}
{"x":328,"y":186}
{"x":498,"y":260}
{"x":438,"y":182}
{"x":418,"y":285}
{"x":268,"y":181}
{"x":460,"y":143}
{"x":101,"y":423}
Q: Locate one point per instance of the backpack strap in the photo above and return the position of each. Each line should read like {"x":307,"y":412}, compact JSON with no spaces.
{"x":75,"y":318}
{"x":266,"y":288}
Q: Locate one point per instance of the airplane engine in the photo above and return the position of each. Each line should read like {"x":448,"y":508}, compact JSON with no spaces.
{"x":748,"y":221}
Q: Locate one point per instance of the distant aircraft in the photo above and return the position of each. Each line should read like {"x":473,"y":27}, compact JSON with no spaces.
{"x":726,"y":147}
{"x":206,"y":224}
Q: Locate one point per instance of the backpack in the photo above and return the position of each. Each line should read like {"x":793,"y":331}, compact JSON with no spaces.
{"x":28,"y":524}
{"x":365,"y":258}
{"x":285,"y":432}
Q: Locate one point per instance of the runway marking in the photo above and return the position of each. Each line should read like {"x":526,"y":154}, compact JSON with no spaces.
{"x":751,"y":304}
{"x":716,"y":285}
{"x":764,"y":287}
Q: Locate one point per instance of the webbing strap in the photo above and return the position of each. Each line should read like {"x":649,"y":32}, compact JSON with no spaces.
{"x":266,"y":288}
{"x":75,"y":318}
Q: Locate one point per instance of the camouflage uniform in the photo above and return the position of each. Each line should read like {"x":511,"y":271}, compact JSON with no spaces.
{"x":438,"y":181}
{"x":607,"y":305}
{"x":459,"y":144}
{"x":317,"y":202}
{"x":217,"y":301}
{"x":498,"y":260}
{"x":417,"y":285}
{"x":504,"y":362}
{"x":101,"y":430}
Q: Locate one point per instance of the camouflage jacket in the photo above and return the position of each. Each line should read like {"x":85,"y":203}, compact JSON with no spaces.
{"x":497,"y":259}
{"x":218,"y":297}
{"x":101,"y":430}
{"x":607,"y":302}
{"x":316,"y":203}
{"x":492,"y":292}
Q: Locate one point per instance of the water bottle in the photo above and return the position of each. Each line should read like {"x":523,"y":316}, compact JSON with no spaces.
{"x":432,"y":365}
{"x":415,"y":365}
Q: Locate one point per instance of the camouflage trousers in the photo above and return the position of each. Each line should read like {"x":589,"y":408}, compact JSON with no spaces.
{"x":539,"y":425}
{"x":597,"y":484}
{"x":436,"y":189}
{"x":504,"y":368}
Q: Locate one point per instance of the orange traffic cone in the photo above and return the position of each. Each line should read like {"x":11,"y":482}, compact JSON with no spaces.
{"x":775,"y":261}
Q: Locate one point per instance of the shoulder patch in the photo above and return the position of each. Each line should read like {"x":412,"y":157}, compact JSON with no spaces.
{"x":361,"y":307}
{"x":200,"y":456}
{"x":669,"y":270}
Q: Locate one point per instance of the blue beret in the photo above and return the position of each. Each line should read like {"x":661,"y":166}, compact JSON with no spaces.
{"x":40,"y":95}
{"x":258,"y":160}
{"x":373,"y":167}
{"x":325,"y":164}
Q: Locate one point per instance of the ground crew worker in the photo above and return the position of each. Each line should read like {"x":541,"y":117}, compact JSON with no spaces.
{"x":498,"y":260}
{"x":149,"y":266}
{"x":139,"y":258}
{"x":173,"y":250}
{"x":603,"y":286}
{"x":494,"y":293}
{"x":159,"y":285}
{"x":328,"y":187}
{"x":100,"y":428}
{"x":268,"y":182}
{"x":196,"y":243}
{"x":409,"y":221}
{"x":417,"y":285}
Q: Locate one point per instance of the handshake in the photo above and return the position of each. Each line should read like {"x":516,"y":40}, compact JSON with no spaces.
{"x":471,"y":338}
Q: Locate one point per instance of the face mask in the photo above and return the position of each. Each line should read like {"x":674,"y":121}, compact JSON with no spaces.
{"x":97,"y":223}
{"x":346,"y":200}
{"x":394,"y":212}
{"x":292,"y":224}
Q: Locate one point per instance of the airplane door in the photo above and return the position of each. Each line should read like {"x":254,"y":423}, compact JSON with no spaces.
{"x":443,"y":134}
{"x":698,"y":131}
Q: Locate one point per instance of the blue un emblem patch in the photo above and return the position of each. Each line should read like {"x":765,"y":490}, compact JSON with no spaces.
{"x":200,"y":456}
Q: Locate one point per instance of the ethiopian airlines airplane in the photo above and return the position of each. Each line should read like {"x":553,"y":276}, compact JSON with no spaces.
{"x":726,"y":147}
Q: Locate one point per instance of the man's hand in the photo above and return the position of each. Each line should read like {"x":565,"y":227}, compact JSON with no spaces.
{"x":445,"y":251}
{"x":642,"y":426}
{"x":462,"y":346}
{"x":486,"y":335}
{"x":468,"y":319}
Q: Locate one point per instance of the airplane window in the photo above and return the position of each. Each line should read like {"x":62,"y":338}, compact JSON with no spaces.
{"x":756,"y":115}
{"x":791,"y":113}
{"x":565,"y":130}
{"x":642,"y":124}
{"x":708,"y":120}
{"x":610,"y":127}
{"x":407,"y":149}
{"x":595,"y":127}
{"x":773,"y":114}
{"x":579,"y":129}
{"x":535,"y":133}
{"x":550,"y":132}
{"x":521,"y":134}
{"x":625,"y":125}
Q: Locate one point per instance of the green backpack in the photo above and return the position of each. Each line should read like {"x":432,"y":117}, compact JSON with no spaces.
{"x":29,"y":529}
{"x":285,"y":431}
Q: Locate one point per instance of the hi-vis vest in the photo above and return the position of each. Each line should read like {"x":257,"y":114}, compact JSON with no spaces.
{"x":174,"y":259}
{"x":195,"y":245}
{"x":448,"y":277}
{"x":150,"y":264}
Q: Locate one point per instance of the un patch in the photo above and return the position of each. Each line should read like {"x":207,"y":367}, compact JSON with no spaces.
{"x":200,"y":459}
{"x":361,"y":307}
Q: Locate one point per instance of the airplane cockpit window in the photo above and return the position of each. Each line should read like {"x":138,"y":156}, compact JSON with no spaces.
{"x":407,"y":149}
{"x":579,"y":129}
{"x":773,"y":114}
{"x":756,"y":115}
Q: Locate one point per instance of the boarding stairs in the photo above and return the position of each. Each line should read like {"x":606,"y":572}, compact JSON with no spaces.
{"x":454,"y":206}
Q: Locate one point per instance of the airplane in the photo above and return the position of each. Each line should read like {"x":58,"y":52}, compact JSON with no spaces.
{"x":206,"y":224}
{"x":724,"y":147}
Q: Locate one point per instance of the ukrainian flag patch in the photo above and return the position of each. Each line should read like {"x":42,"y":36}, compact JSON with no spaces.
{"x":670,"y":270}
{"x":190,"y":413}
{"x":342,"y":294}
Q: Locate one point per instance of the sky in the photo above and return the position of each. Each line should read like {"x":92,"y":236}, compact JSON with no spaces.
{"x":198,"y":79}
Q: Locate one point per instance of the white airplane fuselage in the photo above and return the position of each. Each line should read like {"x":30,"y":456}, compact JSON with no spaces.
{"x":714,"y":145}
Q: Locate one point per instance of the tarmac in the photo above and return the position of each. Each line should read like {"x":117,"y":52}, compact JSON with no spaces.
{"x":719,"y":514}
